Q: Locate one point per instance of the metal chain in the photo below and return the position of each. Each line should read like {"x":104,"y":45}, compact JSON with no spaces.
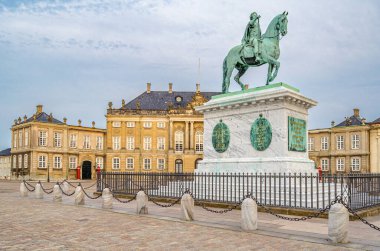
{"x":359,"y":217}
{"x":69,"y":183}
{"x":91,"y":185}
{"x":29,"y":189}
{"x":216,"y":211}
{"x":64,"y":191}
{"x":45,"y":190}
{"x":123,"y":201}
{"x":164,"y":205}
{"x":88,"y":196}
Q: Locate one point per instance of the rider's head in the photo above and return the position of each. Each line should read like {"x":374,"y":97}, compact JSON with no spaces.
{"x":254,"y":16}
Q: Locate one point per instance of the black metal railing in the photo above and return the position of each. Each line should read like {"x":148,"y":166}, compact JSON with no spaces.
{"x":305,"y":191}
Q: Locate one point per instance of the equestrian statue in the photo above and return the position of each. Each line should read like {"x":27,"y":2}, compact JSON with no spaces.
{"x":256,"y":49}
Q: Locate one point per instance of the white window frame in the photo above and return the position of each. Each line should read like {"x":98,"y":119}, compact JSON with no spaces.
{"x":147,"y":124}
{"x":130,"y":124}
{"x":355,"y":164}
{"x":130,"y":163}
{"x":147,"y":164}
{"x":73,"y":140}
{"x":14,"y":161}
{"x":116,"y":143}
{"x":340,"y":164}
{"x":130,"y":143}
{"x":99,"y":143}
{"x":116,"y":124}
{"x":57,"y":139}
{"x":160,"y":164}
{"x":20,"y":143}
{"x":310,"y":144}
{"x":325,"y":164}
{"x":42,"y":138}
{"x":87,"y":142}
{"x":20,"y":161}
{"x":116,"y":163}
{"x":99,"y":162}
{"x":26,"y":135}
{"x":73,"y":162}
{"x":340,"y":142}
{"x":161,"y":143}
{"x":179,"y":141}
{"x":15,"y":140}
{"x":161,"y":124}
{"x":324,"y":143}
{"x":355,"y":141}
{"x":42,"y":161}
{"x":26,"y":162}
{"x":199,"y":141}
{"x":57,"y":163}
{"x":147,"y":143}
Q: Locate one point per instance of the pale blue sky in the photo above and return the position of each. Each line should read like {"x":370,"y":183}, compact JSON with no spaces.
{"x":76,"y":56}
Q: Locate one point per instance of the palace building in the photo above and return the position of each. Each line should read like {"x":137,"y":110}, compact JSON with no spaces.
{"x":158,"y":131}
{"x":43,"y":146}
{"x":351,"y":146}
{"x":5,"y":164}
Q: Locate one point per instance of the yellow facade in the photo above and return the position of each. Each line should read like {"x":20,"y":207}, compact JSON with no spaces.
{"x":45,"y":147}
{"x":375,"y":147}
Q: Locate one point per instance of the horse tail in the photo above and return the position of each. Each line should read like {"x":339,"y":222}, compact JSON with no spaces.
{"x":224,"y":74}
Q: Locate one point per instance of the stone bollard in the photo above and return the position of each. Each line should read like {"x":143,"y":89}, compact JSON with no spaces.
{"x":79,"y":196}
{"x":142,"y":201}
{"x":23,"y":190}
{"x":107,"y":199}
{"x":57,"y":193}
{"x":338,"y":223}
{"x":38,"y":191}
{"x":65,"y":187}
{"x":249,"y":215}
{"x":187,"y":207}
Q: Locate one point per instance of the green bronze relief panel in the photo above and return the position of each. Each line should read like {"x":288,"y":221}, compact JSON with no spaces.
{"x":296,"y":135}
{"x":221,"y":137}
{"x":261,"y":134}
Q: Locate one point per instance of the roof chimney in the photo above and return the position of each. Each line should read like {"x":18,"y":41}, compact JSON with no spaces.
{"x":356,"y":112}
{"x":198,"y":88}
{"x":148,"y":85}
{"x":39,"y":109}
{"x":170,"y":87}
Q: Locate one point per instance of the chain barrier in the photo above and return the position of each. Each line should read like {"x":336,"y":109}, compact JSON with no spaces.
{"x":167,"y":205}
{"x":69,"y":183}
{"x":371,"y":225}
{"x":67,"y":194}
{"x":123,"y":201}
{"x":88,"y":196}
{"x":29,"y":189}
{"x":45,"y":190}
{"x":202,"y":204}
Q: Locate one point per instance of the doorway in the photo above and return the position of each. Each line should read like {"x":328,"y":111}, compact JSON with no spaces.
{"x":179,"y":166}
{"x":86,"y":170}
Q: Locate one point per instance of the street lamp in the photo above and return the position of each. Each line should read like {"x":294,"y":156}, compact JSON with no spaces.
{"x":48,"y":172}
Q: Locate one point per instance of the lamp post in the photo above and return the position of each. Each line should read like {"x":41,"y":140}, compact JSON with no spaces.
{"x":48,"y":172}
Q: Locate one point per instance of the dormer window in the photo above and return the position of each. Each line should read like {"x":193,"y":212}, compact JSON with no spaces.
{"x":178,"y":99}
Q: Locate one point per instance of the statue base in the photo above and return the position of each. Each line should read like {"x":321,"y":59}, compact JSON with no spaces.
{"x":251,"y":149}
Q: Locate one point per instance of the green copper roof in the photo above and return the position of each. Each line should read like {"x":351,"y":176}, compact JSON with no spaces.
{"x":256,"y":89}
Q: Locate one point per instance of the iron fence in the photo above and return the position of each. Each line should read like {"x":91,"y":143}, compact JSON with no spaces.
{"x":304,"y":191}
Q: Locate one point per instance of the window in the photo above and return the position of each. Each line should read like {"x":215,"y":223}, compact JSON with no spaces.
{"x":14,"y":161}
{"x":73,"y":140}
{"x":147,"y":164}
{"x":355,"y":164}
{"x":160,"y":124}
{"x":42,"y":161}
{"x":57,"y":139}
{"x":116,"y":124}
{"x":116,"y":143}
{"x":57,"y":162}
{"x":355,"y":141}
{"x":72,"y":162}
{"x":130,"y":124}
{"x":147,"y":124}
{"x":340,"y":164}
{"x":20,"y":139}
{"x":26,"y":161}
{"x":340,"y":142}
{"x":178,"y":141}
{"x":15,"y":140}
{"x":42,"y":138}
{"x":20,"y":161}
{"x":310,"y":144}
{"x":130,"y":163}
{"x":160,"y":164}
{"x":99,"y":143}
{"x":86,"y":142}
{"x":116,"y":163}
{"x":99,"y":162}
{"x":160,"y":143}
{"x":130,"y":143}
{"x":324,"y":143}
{"x":325,"y":164}
{"x":199,"y":141}
{"x":147,"y":143}
{"x":26,"y":143}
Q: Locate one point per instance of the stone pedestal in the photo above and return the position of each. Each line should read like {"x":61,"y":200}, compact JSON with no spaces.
{"x":262,"y":129}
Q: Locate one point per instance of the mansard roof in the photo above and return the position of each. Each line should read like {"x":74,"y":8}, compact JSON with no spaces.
{"x":162,"y":100}
{"x":351,"y":121}
{"x":43,"y":117}
{"x":376,"y":121}
{"x":6,"y":152}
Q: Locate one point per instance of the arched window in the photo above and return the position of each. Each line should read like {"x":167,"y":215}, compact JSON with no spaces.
{"x":199,"y":141}
{"x":26,"y":161}
{"x":197,"y":162}
{"x":20,"y":161}
{"x":178,"y":141}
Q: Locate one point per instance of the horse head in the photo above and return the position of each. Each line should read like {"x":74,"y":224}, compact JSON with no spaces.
{"x":283,"y":23}
{"x":279,"y":25}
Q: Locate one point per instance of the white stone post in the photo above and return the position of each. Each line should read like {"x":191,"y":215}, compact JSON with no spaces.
{"x":38,"y":191}
{"x":187,"y":207}
{"x":338,"y":223}
{"x":249,"y":215}
{"x":142,"y":201}
{"x":23,"y":190}
{"x":57,"y":193}
{"x":65,"y":187}
{"x":79,"y":196}
{"x":107,"y":199}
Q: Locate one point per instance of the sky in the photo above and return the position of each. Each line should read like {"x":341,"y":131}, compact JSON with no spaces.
{"x":75,"y":56}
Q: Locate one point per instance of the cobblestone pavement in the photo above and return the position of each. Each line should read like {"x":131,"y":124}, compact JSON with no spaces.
{"x":33,"y":224}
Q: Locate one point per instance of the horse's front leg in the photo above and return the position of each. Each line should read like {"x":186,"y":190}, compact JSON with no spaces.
{"x":270,"y":69}
{"x":276,"y":64}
